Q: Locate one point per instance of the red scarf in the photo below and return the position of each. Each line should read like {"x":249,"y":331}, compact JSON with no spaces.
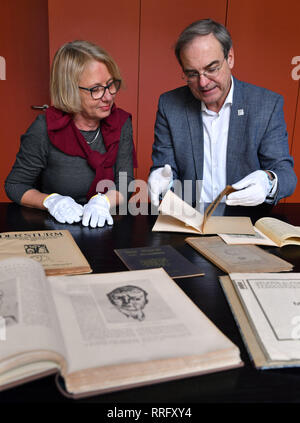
{"x":64,"y":135}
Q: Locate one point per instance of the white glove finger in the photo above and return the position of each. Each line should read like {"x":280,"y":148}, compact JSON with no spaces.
{"x":77,"y":218}
{"x":247,"y":197}
{"x":59,"y":218}
{"x":242,"y":194}
{"x":69,"y":210}
{"x":72,"y":215}
{"x":86,"y":217}
{"x":244,"y":183}
{"x":94,"y":218}
{"x":154,"y":194}
{"x":167,"y":171}
{"x":73,"y":218}
{"x":101,"y":221}
{"x":78,"y":209}
{"x":109,"y":220}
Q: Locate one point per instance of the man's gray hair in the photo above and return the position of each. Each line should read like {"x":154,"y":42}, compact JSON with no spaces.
{"x":200,"y":28}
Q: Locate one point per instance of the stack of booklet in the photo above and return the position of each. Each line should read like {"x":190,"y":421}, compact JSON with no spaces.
{"x":264,"y":302}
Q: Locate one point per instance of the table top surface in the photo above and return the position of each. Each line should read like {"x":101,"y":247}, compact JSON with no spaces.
{"x":241,"y":385}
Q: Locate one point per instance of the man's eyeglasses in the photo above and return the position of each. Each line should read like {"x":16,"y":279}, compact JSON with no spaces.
{"x":98,"y":91}
{"x":210,"y":73}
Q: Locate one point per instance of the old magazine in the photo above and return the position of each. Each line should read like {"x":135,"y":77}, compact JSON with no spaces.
{"x":266,"y":308}
{"x":165,"y":256}
{"x":103,"y":332}
{"x":238,"y":258}
{"x":178,"y":216}
{"x":56,"y":250}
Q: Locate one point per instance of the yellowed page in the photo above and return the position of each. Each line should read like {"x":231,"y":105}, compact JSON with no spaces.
{"x":165,"y":223}
{"x":259,"y":238}
{"x":182,"y":214}
{"x":248,"y":331}
{"x":270,"y":302}
{"x":30,"y":326}
{"x":101,"y":335}
{"x":229,"y":224}
{"x":210,"y":209}
{"x":174,"y":206}
{"x":280,"y":232}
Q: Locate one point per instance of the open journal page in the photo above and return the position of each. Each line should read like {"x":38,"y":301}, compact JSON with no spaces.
{"x":259,"y":238}
{"x":278,"y":230}
{"x":174,"y":206}
{"x":272,"y":304}
{"x":27,"y":310}
{"x":134,"y":316}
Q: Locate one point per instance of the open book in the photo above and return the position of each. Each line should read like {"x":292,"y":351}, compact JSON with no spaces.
{"x":268,"y":231}
{"x":103,"y":332}
{"x":56,"y":250}
{"x":178,"y":216}
{"x":265,"y":308}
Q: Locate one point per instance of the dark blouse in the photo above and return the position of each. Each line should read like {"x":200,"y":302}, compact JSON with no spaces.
{"x":42,"y":166}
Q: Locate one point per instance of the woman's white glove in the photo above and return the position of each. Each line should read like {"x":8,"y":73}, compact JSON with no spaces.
{"x":96,"y":212}
{"x":63,"y":208}
{"x":252,"y":190}
{"x":159,"y":182}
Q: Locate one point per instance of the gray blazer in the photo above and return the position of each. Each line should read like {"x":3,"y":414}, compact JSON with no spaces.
{"x":257,"y":137}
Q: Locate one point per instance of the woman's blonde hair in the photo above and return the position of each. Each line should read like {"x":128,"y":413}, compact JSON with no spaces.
{"x":67,"y":67}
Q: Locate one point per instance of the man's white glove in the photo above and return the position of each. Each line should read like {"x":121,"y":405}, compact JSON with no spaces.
{"x":252,"y":190}
{"x":96,"y":212}
{"x":63,"y":208}
{"x":159,"y":182}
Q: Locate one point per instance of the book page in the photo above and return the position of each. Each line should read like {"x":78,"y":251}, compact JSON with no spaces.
{"x":214,"y":204}
{"x":178,"y":216}
{"x":165,"y":223}
{"x":259,"y":238}
{"x":272,"y":304}
{"x":131,"y":316}
{"x":278,"y":230}
{"x":174,"y":206}
{"x":27,"y":310}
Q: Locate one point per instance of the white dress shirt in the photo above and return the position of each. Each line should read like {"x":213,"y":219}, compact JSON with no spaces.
{"x":215,"y":133}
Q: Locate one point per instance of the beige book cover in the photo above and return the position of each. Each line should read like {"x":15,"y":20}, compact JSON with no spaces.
{"x":56,"y":250}
{"x":178,"y":216}
{"x":268,"y":231}
{"x":238,"y":258}
{"x":269,"y":330}
{"x":103,"y":332}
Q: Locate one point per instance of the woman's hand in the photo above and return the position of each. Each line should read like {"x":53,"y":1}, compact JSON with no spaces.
{"x":96,"y":212}
{"x":63,"y":208}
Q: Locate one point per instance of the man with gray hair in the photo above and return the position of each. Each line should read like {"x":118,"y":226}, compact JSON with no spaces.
{"x":218,"y":130}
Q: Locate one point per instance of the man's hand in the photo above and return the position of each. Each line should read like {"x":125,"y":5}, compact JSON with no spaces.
{"x":159,"y":182}
{"x":251,"y":190}
{"x":63,"y":208}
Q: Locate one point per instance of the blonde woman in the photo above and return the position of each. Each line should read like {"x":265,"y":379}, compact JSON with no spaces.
{"x":81,"y":143}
